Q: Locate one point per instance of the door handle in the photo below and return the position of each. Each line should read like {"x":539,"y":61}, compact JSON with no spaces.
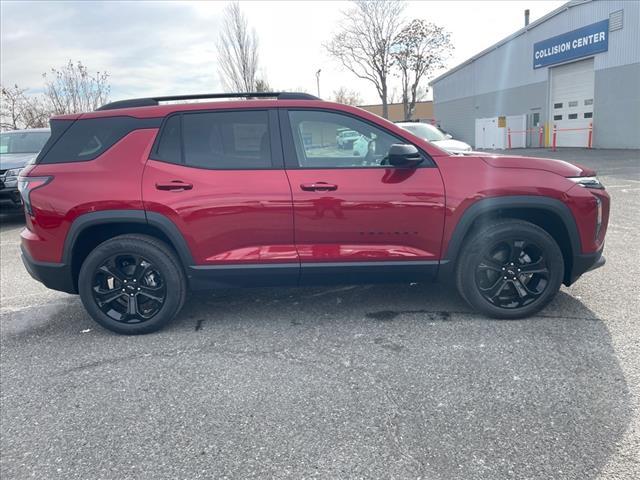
{"x":177,"y":185}
{"x":318,"y":187}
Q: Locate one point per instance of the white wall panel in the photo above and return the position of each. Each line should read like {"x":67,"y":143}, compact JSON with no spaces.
{"x":511,"y":64}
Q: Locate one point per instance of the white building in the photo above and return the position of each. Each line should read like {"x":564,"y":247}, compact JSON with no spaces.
{"x":575,"y":68}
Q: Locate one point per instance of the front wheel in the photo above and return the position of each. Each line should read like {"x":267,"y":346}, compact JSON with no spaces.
{"x":132,"y":284}
{"x":509,"y":269}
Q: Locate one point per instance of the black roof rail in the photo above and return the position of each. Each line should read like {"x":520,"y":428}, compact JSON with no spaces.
{"x":151,"y":101}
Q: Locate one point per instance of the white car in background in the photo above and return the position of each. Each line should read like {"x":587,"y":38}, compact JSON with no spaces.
{"x":436,"y":136}
{"x":345,"y":138}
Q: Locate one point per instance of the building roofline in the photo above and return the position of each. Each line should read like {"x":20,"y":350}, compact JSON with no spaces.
{"x":396,"y":103}
{"x":522,"y":31}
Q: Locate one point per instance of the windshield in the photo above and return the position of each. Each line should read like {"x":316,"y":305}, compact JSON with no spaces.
{"x":22,"y":142}
{"x":426,"y":131}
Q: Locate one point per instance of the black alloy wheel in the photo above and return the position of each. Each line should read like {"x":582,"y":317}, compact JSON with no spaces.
{"x":132,"y":284}
{"x":509,"y":269}
{"x":129,"y":288}
{"x":512,"y":274}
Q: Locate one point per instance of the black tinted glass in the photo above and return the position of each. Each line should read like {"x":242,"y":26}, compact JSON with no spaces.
{"x":169,"y":148}
{"x":87,"y":139}
{"x":227,"y":140}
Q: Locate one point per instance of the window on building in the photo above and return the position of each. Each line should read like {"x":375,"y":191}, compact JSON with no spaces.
{"x":573,"y":103}
{"x":588,"y":101}
{"x":557,"y":117}
{"x":573,"y":116}
{"x":588,"y":114}
{"x":536,"y":119}
{"x":227,"y":140}
{"x":557,"y":105}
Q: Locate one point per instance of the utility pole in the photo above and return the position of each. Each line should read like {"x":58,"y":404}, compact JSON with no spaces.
{"x":318,"y":80}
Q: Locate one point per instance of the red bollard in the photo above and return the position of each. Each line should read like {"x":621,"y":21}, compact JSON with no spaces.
{"x":540,"y":137}
{"x":555,"y":134}
{"x":590,"y":135}
{"x":509,"y":138}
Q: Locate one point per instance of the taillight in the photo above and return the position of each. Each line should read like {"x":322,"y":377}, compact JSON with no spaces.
{"x":26,"y":185}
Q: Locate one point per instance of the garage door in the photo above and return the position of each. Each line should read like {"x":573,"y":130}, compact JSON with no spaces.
{"x":572,"y":102}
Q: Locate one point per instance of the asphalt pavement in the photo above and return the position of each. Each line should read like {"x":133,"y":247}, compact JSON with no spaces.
{"x":385,"y":381}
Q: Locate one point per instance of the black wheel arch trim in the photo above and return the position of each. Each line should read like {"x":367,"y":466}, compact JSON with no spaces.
{"x":154,"y":219}
{"x":170,"y":229}
{"x":493,"y":204}
{"x":533,"y":202}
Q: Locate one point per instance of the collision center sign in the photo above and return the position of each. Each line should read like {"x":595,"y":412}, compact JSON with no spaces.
{"x":578,"y":43}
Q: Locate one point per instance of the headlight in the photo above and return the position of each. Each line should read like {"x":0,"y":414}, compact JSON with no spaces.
{"x":598,"y":215}
{"x":13,"y":172}
{"x":587,"y":182}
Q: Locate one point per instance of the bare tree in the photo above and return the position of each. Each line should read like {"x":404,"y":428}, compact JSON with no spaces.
{"x":237,"y":51}
{"x":11,"y":107}
{"x":36,"y":112}
{"x":394,"y":96}
{"x":418,"y":51}
{"x":19,"y":110}
{"x":347,"y":97}
{"x":262,"y":85}
{"x":363,"y":43}
{"x":69,"y":89}
{"x":72,"y":89}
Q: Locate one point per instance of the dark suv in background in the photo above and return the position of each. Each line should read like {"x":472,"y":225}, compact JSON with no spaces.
{"x":17,"y":149}
{"x":132,"y":205}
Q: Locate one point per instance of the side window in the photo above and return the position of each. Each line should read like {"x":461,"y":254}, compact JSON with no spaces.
{"x":87,"y":139}
{"x":332,"y":140}
{"x":227,"y":140}
{"x":169,"y":148}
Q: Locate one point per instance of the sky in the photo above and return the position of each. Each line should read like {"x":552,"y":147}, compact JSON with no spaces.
{"x":152,"y":48}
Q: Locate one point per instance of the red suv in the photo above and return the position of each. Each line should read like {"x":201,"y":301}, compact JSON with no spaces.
{"x":132,"y":205}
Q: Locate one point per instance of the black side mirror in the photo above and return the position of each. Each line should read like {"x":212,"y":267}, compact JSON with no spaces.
{"x":402,"y":155}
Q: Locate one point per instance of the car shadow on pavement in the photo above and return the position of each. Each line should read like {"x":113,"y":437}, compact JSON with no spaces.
{"x":426,"y":387}
{"x":469,"y":396}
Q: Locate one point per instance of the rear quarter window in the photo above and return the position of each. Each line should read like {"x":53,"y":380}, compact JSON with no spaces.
{"x":89,"y":138}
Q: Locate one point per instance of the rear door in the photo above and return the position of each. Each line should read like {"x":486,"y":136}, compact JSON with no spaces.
{"x":219,"y":177}
{"x":356,"y":219}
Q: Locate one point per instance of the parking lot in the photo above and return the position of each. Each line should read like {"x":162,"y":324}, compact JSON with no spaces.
{"x":385,"y":381}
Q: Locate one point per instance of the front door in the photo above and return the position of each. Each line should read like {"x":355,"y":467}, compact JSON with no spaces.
{"x":219,"y":177}
{"x":355,"y":218}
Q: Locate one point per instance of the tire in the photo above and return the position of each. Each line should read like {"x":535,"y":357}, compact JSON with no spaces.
{"x":132,"y":284}
{"x":509,"y":269}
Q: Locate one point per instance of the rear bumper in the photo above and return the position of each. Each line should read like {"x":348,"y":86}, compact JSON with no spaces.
{"x":585,"y":263}
{"x":56,"y":276}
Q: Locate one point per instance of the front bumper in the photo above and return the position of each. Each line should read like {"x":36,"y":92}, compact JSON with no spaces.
{"x":585,"y":263}
{"x":56,"y":276}
{"x":9,"y":196}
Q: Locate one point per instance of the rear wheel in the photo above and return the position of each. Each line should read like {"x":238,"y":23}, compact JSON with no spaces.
{"x":509,"y":269}
{"x":132,"y":284}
